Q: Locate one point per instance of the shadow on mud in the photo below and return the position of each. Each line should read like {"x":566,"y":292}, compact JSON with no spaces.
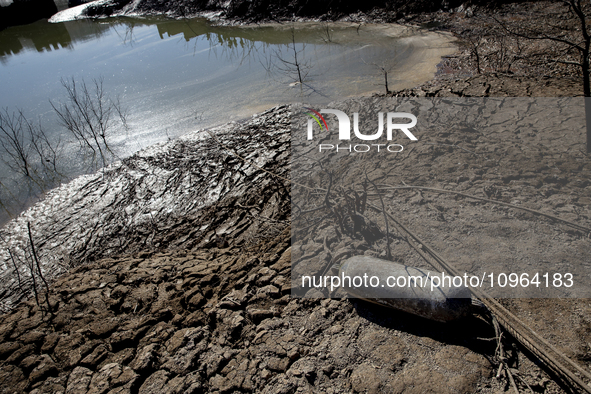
{"x":471,"y":332}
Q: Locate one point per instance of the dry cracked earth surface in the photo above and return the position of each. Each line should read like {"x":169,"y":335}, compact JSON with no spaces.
{"x":170,"y":272}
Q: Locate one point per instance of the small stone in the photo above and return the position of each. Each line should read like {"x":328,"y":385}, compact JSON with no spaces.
{"x":328,"y":369}
{"x":145,"y":358}
{"x":30,"y":362}
{"x":110,"y":376}
{"x":96,"y":357}
{"x":103,"y":328}
{"x":266,"y":374}
{"x":258,"y":315}
{"x":32,"y":337}
{"x":50,"y":342}
{"x":46,"y":367}
{"x":278,"y":364}
{"x":269,"y":290}
{"x":78,"y":380}
{"x":293,"y":354}
{"x":7,"y":348}
{"x":196,"y":301}
{"x":20,"y":353}
{"x":155,"y":383}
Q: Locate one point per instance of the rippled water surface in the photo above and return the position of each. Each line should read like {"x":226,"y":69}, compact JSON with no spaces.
{"x":176,"y":76}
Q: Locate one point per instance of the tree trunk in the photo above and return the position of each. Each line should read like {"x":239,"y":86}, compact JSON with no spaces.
{"x":587,"y":93}
{"x":588,"y":117}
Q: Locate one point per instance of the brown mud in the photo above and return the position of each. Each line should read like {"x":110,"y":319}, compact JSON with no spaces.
{"x":169,"y":272}
{"x":202,"y":304}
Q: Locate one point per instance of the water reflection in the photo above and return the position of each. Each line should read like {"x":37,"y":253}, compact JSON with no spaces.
{"x":177,"y":96}
{"x":43,"y":36}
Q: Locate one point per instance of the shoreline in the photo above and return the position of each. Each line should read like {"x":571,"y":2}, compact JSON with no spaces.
{"x":88,"y":217}
{"x":243,"y":12}
{"x":367,"y":88}
{"x":459,"y":19}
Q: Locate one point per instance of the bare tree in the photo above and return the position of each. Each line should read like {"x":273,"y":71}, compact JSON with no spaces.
{"x":326,"y":33}
{"x":475,"y":44}
{"x":384,"y":69}
{"x":27,"y":258}
{"x":293,"y":65}
{"x":570,"y":30}
{"x":15,"y":131}
{"x":34,"y":155}
{"x":48,"y":151}
{"x":27,"y":148}
{"x":91,"y":115}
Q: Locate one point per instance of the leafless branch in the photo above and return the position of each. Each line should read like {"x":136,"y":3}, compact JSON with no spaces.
{"x":91,"y":115}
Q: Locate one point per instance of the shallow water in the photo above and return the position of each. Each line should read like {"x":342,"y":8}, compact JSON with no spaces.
{"x":177,"y":76}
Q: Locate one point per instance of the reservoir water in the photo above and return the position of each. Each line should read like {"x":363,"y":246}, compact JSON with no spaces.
{"x":175,"y":76}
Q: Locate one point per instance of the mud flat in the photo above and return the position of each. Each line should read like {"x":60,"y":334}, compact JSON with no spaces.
{"x":136,"y":204}
{"x":208,"y":310}
{"x":178,"y":271}
{"x":192,"y":296}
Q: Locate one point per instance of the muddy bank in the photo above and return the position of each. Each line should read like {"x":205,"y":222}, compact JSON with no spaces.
{"x":204,"y":306}
{"x":494,"y":60}
{"x":242,"y":11}
{"x":166,"y":196}
{"x":496,"y":85}
{"x":219,"y":320}
{"x":188,"y":291}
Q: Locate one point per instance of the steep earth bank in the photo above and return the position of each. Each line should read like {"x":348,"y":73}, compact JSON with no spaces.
{"x":268,"y":10}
